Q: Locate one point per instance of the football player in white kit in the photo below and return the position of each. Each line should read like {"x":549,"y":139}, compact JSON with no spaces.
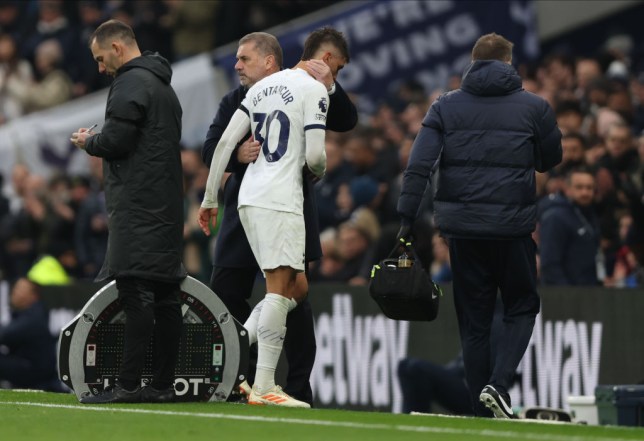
{"x":286,"y":112}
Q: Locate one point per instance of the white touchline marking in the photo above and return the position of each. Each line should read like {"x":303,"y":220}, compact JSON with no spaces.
{"x":308,"y":422}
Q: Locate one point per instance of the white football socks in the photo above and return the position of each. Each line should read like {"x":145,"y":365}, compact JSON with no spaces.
{"x":251,"y":323}
{"x":270,"y":338}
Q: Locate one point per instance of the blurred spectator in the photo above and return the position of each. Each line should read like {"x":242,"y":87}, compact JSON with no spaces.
{"x":440,"y":269}
{"x":597,"y":93}
{"x":587,"y":70}
{"x":192,"y":26}
{"x":15,"y":78}
{"x":29,"y":360}
{"x":360,"y":191}
{"x":330,"y":263}
{"x":559,"y":74}
{"x":613,"y":174}
{"x":19,"y":178}
{"x":22,"y":229}
{"x":627,"y":272}
{"x":426,"y":385}
{"x":405,"y":92}
{"x":596,"y":148}
{"x":413,"y":115}
{"x":632,"y":193}
{"x":150,"y":34}
{"x":90,"y":232}
{"x":352,"y":254}
{"x":52,"y":23}
{"x":573,"y":146}
{"x":569,"y":233}
{"x":360,"y":153}
{"x":57,"y":236}
{"x":338,"y":173}
{"x":53,"y":86}
{"x":569,"y":116}
{"x":621,"y":154}
{"x":604,"y":118}
{"x":12,"y":17}
{"x":619,"y":100}
{"x":370,"y":164}
{"x":29,"y":356}
{"x":196,"y":251}
{"x":89,"y":79}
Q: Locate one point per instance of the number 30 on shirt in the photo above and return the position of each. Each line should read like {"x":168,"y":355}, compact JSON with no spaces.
{"x":285,"y":127}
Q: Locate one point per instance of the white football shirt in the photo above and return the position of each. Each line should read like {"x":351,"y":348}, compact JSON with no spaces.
{"x":282,"y":107}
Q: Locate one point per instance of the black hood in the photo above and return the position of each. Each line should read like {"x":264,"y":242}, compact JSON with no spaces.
{"x":491,"y":78}
{"x":151,"y":61}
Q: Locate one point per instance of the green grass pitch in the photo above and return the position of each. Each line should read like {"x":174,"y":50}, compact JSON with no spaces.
{"x":38,"y":416}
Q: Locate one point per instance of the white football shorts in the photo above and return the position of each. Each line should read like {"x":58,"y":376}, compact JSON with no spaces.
{"x":277,"y":238}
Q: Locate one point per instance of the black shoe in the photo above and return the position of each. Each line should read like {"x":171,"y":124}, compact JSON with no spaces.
{"x":114,"y":394}
{"x":498,"y":403}
{"x":151,"y":395}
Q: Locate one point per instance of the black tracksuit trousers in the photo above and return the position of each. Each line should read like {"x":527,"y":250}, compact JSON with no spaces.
{"x":480,"y":269}
{"x":151,"y":308}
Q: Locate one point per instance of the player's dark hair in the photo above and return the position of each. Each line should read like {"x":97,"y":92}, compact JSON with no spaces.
{"x":112,"y":30}
{"x":492,"y":47}
{"x":324,"y":35}
{"x":266,"y":44}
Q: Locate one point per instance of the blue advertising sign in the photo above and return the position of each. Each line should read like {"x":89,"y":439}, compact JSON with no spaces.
{"x":393,"y":41}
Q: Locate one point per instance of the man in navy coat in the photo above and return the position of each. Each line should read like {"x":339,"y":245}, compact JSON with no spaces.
{"x":486,"y":139}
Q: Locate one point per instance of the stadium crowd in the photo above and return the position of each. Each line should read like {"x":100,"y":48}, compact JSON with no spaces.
{"x":598,"y":100}
{"x":44,"y":59}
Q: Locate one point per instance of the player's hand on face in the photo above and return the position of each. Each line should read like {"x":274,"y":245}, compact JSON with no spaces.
{"x":206,"y":215}
{"x":248,"y":151}
{"x":319,"y":70}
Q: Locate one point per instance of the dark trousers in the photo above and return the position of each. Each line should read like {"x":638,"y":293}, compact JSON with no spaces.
{"x":424,"y":383}
{"x":481,"y":268}
{"x":23,"y":373}
{"x":151,"y":308}
{"x":234,"y":286}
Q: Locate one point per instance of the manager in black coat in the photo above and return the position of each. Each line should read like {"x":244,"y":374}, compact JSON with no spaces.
{"x":143,"y":179}
{"x":486,"y":139}
{"x":235,"y":268}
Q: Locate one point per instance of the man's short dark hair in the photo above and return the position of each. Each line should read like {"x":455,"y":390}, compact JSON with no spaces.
{"x":112,"y":30}
{"x":266,"y":44}
{"x":492,"y":47}
{"x":578,"y":136}
{"x":582,"y":169}
{"x":568,"y":105}
{"x":324,"y":35}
